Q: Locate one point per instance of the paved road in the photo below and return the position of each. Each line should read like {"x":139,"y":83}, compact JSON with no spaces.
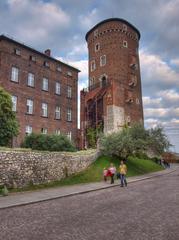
{"x":146,"y":210}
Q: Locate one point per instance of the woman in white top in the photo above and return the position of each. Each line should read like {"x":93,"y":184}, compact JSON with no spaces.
{"x":112,"y":170}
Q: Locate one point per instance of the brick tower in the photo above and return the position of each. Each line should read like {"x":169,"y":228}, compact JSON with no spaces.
{"x":113,"y":97}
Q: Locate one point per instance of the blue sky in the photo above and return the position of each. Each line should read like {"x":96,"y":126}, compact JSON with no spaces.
{"x":61,"y":25}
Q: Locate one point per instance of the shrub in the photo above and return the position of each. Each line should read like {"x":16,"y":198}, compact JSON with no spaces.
{"x":48,"y":142}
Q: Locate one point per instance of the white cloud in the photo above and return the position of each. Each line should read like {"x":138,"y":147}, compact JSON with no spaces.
{"x":151,"y":101}
{"x":157,"y":73}
{"x":89,"y":19}
{"x":175,"y":61}
{"x":169,"y":95}
{"x":161,"y":112}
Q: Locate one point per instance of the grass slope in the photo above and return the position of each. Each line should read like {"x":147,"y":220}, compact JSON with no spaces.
{"x":94,"y":173}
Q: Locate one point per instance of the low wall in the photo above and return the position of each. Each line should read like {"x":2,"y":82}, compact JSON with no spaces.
{"x":19,"y":169}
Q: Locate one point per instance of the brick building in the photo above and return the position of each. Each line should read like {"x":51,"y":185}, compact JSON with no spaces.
{"x":113,"y":98}
{"x":43,"y":89}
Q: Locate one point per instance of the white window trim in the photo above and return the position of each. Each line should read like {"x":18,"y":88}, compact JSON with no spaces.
{"x":69,"y":114}
{"x":69,"y":91}
{"x":28,"y":129}
{"x":57,"y":111}
{"x":69,"y":135}
{"x":97,"y":44}
{"x":15,"y":74}
{"x":57,"y":132}
{"x":31,"y":80}
{"x":45,"y":84}
{"x":44,"y":110}
{"x":14,"y":103}
{"x":125,"y":44}
{"x":102,"y":60}
{"x":30,"y":106}
{"x":57,"y":88}
{"x":44,"y":130}
{"x":93,"y":65}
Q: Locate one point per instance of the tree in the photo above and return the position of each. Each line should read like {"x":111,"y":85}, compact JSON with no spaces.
{"x":158,"y":141}
{"x":8,"y":122}
{"x":134,"y":140}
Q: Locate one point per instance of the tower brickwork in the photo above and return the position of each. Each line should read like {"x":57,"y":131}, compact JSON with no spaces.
{"x":114,"y":96}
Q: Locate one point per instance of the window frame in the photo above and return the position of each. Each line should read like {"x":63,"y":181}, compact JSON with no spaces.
{"x":43,"y":84}
{"x":59,"y":87}
{"x":69,"y":115}
{"x":57,"y":111}
{"x":15,"y":74}
{"x":44,"y":110}
{"x":30,"y":107}
{"x":102,"y":60}
{"x":29,"y":80}
{"x":14,"y":105}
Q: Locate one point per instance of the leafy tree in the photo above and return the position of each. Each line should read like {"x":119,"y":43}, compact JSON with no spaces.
{"x":8,"y":122}
{"x":158,"y":141}
{"x":93,"y":134}
{"x":134,"y":140}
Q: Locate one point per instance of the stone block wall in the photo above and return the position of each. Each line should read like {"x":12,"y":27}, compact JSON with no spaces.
{"x":19,"y":169}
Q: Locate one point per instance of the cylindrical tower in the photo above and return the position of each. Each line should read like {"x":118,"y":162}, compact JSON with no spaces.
{"x":114,"y":96}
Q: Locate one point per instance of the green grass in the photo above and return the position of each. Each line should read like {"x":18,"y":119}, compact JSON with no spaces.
{"x":94,"y":173}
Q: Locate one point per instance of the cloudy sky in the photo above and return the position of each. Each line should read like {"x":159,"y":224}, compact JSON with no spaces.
{"x":62,"y":24}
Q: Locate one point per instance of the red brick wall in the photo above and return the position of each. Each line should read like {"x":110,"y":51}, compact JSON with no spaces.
{"x":22,"y":91}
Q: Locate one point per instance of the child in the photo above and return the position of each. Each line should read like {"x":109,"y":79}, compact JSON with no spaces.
{"x":105,"y":174}
{"x":123,"y":172}
{"x":112,"y":171}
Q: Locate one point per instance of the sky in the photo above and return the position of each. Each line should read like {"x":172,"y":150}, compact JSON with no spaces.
{"x":61,"y":25}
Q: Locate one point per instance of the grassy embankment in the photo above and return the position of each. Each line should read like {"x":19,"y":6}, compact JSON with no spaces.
{"x":94,"y":172}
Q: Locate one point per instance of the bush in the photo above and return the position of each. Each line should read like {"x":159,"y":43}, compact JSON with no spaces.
{"x":48,"y":142}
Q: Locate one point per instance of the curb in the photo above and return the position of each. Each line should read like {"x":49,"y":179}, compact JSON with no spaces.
{"x":86,"y":191}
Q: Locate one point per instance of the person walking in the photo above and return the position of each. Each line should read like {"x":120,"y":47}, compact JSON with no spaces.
{"x":123,"y":172}
{"x":112,"y":171}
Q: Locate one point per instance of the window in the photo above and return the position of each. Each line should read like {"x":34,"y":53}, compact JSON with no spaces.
{"x":96,"y":33}
{"x":103,"y":60}
{"x":137,"y":101}
{"x":32,"y":58}
{"x":97,"y":47}
{"x":59,"y":69}
{"x":124,"y":26}
{"x":45,"y":84}
{"x":125,"y":44}
{"x":14,"y":103}
{"x":69,"y":114}
{"x":69,"y":73}
{"x":44,"y":130}
{"x":30,"y":106}
{"x":69,"y":92}
{"x":46,"y":64}
{"x":28,"y":130}
{"x":57,"y":88}
{"x":69,"y":135}
{"x":17,"y":51}
{"x":93,"y":65}
{"x":30,"y":80}
{"x":44,"y":110}
{"x":57,"y":131}
{"x":15,"y":74}
{"x":92,"y":81}
{"x":57,"y":112}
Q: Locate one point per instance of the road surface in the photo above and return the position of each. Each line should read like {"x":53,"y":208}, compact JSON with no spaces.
{"x":145,"y":210}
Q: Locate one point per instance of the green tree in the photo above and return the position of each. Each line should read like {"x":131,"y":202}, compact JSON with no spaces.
{"x":158,"y":141}
{"x":8,"y":122}
{"x":134,"y":140}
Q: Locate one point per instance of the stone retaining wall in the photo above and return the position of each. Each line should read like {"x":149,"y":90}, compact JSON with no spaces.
{"x":19,"y":169}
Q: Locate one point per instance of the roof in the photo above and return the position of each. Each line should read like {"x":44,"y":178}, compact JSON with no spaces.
{"x":3,"y":37}
{"x":110,"y":20}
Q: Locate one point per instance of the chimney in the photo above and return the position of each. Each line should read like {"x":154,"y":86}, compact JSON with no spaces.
{"x":48,"y":52}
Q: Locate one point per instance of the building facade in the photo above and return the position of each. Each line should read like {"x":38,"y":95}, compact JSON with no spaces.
{"x":43,"y":89}
{"x":113,"y":98}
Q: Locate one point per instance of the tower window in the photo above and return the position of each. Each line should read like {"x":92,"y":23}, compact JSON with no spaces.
{"x":137,"y":101}
{"x":103,"y":60}
{"x":96,"y":33}
{"x":124,"y":27}
{"x":97,"y":47}
{"x":125,"y":44}
{"x":93,"y":65}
